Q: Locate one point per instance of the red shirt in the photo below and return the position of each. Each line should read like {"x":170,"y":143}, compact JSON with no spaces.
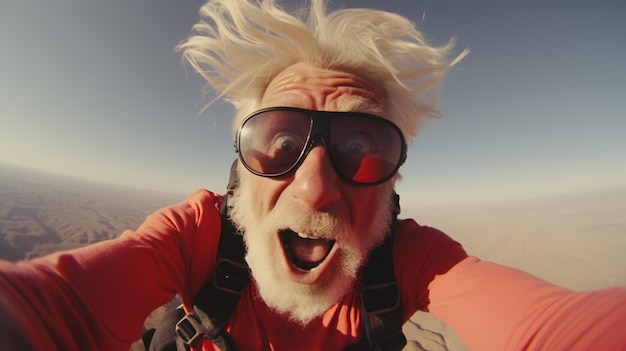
{"x":97,"y":297}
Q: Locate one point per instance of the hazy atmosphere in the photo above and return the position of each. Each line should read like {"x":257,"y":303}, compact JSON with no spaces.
{"x":96,"y":90}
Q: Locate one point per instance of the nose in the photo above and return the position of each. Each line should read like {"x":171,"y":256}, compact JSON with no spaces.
{"x":315,"y":182}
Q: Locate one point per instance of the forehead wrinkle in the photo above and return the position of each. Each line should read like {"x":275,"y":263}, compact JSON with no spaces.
{"x":305,"y":86}
{"x":352,"y":104}
{"x":347,"y":91}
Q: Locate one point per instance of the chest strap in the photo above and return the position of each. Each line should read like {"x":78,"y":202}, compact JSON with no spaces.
{"x":217,"y":300}
{"x":381,"y":303}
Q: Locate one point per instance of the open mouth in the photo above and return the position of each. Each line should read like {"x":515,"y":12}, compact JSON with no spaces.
{"x":304,"y":252}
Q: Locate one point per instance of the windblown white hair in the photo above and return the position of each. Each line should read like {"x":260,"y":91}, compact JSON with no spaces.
{"x":240,"y":45}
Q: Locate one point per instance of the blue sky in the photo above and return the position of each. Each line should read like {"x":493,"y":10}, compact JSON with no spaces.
{"x":94,"y":89}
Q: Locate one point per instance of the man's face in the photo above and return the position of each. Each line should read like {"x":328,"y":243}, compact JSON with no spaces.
{"x":308,"y":232}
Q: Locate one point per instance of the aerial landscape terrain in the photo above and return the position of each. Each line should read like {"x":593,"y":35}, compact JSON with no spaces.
{"x":42,"y":213}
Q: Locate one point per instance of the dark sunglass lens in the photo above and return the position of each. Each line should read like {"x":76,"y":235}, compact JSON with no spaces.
{"x":271,"y":142}
{"x":365,"y":150}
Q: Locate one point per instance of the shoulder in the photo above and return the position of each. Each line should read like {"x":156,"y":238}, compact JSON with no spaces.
{"x":203,"y":200}
{"x":422,"y":253}
{"x":188,"y":233}
{"x":200,"y":207}
{"x":413,"y":238}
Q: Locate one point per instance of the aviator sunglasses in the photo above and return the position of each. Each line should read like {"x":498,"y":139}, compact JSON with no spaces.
{"x":364,"y":149}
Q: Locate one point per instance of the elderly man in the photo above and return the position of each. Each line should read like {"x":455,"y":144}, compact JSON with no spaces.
{"x":325,"y":106}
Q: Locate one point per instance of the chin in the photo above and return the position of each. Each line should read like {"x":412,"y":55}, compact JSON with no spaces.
{"x":301,"y":303}
{"x":300,"y":294}
{"x":299,"y":291}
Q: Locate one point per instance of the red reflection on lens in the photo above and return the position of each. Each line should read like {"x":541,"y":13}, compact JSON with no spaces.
{"x":372,"y":168}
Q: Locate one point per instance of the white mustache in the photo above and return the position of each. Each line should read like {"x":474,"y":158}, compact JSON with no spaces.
{"x":309,"y":223}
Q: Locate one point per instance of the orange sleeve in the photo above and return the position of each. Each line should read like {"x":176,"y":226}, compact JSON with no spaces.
{"x":421,"y":253}
{"x":493,"y":307}
{"x":97,"y":297}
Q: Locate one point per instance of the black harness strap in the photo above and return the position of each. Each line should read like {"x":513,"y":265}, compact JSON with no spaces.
{"x":216,"y":302}
{"x":381,"y":305}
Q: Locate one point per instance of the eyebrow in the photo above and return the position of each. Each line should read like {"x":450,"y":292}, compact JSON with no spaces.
{"x":361,"y":104}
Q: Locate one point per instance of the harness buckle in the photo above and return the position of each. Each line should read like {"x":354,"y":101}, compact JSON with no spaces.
{"x":189,"y":329}
{"x":230,"y":276}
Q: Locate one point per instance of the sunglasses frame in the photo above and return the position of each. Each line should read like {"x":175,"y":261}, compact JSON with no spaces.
{"x":320,"y":130}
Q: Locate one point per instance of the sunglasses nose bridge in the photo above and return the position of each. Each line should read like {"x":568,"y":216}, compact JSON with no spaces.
{"x":316,"y":140}
{"x":320,"y":132}
{"x":320,"y":128}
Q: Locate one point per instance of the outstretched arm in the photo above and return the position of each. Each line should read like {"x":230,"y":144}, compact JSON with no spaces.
{"x":493,"y":307}
{"x":97,"y":297}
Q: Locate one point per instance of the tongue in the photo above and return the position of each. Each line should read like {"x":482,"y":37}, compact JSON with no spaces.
{"x":309,"y":250}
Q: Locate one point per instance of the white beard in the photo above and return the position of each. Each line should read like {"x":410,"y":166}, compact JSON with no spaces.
{"x":301,"y":302}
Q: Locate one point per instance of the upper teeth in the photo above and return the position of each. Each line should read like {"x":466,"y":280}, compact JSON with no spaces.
{"x":305,"y":236}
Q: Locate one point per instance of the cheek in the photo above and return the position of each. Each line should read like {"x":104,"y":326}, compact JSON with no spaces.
{"x":264,"y":194}
{"x":363,"y":204}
